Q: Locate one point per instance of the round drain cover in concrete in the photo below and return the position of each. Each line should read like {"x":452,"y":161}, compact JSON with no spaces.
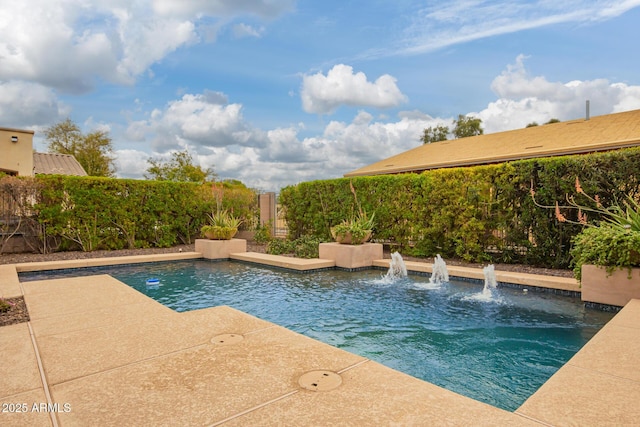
{"x":320,"y":381}
{"x":227,"y":339}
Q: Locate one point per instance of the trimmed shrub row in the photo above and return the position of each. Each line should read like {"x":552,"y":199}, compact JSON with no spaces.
{"x":482,"y":213}
{"x":92,"y":213}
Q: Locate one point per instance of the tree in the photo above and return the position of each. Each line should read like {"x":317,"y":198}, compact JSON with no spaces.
{"x":467,"y":126}
{"x":92,"y":151}
{"x":435,"y":134}
{"x":179,"y":168}
{"x":94,"y":154}
{"x":532,"y":124}
{"x":64,"y":137}
{"x":552,"y":121}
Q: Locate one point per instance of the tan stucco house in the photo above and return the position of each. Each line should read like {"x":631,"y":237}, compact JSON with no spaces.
{"x":16,"y":151}
{"x":18,"y":158}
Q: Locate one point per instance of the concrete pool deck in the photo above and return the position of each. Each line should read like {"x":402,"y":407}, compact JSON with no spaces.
{"x":97,"y":352}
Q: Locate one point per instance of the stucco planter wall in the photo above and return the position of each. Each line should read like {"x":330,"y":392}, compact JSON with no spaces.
{"x":351,"y":256}
{"x":616,"y":289}
{"x":220,"y":249}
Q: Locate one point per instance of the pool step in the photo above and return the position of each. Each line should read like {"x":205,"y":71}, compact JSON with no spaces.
{"x":100,"y":262}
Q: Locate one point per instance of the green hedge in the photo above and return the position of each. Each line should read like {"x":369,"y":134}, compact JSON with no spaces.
{"x":92,"y":213}
{"x":482,"y":213}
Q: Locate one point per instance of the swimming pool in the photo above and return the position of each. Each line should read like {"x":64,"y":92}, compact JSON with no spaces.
{"x":497,"y":351}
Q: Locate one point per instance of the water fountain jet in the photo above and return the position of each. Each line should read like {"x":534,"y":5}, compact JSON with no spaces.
{"x":490,"y":281}
{"x":397,"y":267}
{"x":439,"y":272}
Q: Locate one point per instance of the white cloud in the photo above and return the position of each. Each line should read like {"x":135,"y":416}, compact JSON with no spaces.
{"x":341,"y":86}
{"x":284,"y":146}
{"x":72,"y":45}
{"x":27,"y":105}
{"x":437,"y":25}
{"x":144,"y":41}
{"x":263,"y":8}
{"x":219,"y":137}
{"x":514,"y":82}
{"x":137,"y":131}
{"x":94,"y":126}
{"x":214,"y":97}
{"x":243,"y":30}
{"x":524,"y":99}
{"x":77,"y":42}
{"x":198,"y":120}
{"x":341,"y":148}
{"x":130,"y":163}
{"x":629,"y":98}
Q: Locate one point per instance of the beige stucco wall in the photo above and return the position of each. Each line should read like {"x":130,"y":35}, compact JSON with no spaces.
{"x":16,"y":157}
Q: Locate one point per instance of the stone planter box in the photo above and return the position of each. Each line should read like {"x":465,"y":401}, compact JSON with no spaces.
{"x":617,"y":289}
{"x":220,"y":249}
{"x":219,"y":233}
{"x":347,"y":238}
{"x":351,"y":256}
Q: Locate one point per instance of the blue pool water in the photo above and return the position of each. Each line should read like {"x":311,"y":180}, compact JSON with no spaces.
{"x":497,"y":351}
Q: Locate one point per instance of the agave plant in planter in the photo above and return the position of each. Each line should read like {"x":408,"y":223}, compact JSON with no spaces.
{"x":354,"y":231}
{"x":223,"y":226}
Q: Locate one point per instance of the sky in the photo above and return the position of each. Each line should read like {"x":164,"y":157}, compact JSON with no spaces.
{"x":276,"y":92}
